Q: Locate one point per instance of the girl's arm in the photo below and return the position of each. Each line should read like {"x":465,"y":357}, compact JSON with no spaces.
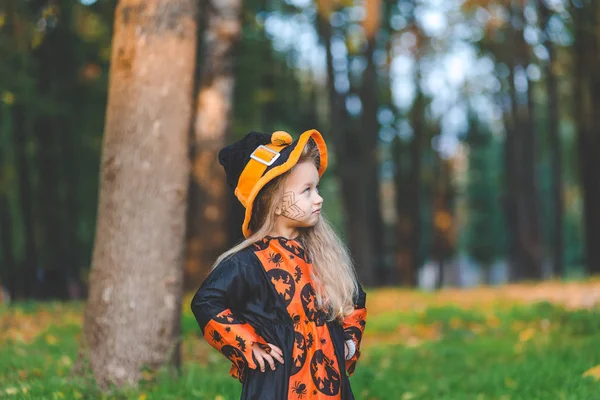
{"x":214,"y":305}
{"x":354,"y":327}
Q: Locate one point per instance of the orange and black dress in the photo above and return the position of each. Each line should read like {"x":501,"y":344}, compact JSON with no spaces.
{"x":265,"y":294}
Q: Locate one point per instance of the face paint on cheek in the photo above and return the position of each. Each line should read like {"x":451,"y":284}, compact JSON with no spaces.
{"x":289,"y":208}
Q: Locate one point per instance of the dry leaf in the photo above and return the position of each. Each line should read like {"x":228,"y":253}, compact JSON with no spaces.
{"x":593,"y":372}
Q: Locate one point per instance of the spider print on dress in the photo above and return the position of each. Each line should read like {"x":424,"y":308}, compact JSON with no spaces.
{"x":299,"y":389}
{"x":296,"y":319}
{"x":216,"y":337}
{"x":276,"y":259}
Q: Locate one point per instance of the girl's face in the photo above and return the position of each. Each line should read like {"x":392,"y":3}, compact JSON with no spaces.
{"x":301,"y":204}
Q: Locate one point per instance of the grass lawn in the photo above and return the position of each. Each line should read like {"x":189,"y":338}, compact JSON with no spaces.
{"x":475,"y":344}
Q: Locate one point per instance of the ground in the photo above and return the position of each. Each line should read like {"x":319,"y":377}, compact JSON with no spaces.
{"x":537,"y":341}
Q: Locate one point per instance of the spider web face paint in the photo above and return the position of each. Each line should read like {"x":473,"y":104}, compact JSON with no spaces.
{"x":290,"y":208}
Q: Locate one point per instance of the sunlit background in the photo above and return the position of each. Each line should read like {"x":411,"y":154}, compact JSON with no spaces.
{"x":463,"y":143}
{"x":458,"y":127}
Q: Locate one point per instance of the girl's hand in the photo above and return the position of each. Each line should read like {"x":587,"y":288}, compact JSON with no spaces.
{"x":268,"y":353}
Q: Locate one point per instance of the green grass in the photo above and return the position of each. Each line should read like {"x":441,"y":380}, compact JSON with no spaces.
{"x":533,"y":352}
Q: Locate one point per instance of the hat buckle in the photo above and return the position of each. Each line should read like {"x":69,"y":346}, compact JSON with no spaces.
{"x":262,"y":161}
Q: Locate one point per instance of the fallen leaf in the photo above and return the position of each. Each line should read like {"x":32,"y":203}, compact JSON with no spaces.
{"x":526,"y":335}
{"x":11,"y":390}
{"x":593,"y":373}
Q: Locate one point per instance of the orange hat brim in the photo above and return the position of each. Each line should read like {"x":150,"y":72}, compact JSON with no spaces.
{"x":283,"y":168}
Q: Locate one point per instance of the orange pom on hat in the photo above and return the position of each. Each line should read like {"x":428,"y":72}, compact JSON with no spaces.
{"x":258,"y":158}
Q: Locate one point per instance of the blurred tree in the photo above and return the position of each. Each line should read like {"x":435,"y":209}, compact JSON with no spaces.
{"x":18,"y":85}
{"x":137,"y":267}
{"x":587,"y":103}
{"x":207,"y":213}
{"x":444,"y":228}
{"x":557,"y":240}
{"x":355,"y":136}
{"x":524,"y":146}
{"x":409,"y":182}
{"x":484,"y":235}
{"x":58,"y":57}
{"x":505,"y":41}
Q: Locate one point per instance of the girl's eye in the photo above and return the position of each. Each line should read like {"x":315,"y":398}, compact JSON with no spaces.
{"x":306,"y":190}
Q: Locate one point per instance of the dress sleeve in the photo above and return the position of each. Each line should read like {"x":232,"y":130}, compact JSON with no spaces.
{"x":224,"y":291}
{"x":354,"y":327}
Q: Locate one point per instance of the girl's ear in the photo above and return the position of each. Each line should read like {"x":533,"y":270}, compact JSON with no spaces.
{"x":278,"y":211}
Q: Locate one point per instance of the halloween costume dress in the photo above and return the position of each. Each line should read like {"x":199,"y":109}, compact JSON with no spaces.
{"x":266,"y":294}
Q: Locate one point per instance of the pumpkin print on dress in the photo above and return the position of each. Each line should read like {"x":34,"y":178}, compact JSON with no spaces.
{"x":236,"y":357}
{"x":324,"y":374}
{"x":284,"y":284}
{"x":309,"y":303}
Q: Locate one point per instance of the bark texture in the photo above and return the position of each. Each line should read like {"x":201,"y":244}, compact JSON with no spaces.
{"x":133,"y":312}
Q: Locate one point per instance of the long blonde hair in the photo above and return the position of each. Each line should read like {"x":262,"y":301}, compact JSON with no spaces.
{"x":332,"y":269}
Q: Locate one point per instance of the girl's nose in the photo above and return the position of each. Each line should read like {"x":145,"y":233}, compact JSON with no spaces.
{"x":319,"y":200}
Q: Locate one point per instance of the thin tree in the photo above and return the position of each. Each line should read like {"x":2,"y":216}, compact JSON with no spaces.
{"x":557,"y":242}
{"x":132,"y":317}
{"x":356,"y":145}
{"x":586,"y":103}
{"x":207,"y":228}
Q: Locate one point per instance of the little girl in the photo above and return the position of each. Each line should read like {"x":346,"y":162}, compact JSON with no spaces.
{"x":284,"y":306}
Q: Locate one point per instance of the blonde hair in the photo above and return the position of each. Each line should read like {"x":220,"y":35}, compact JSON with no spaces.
{"x":332,"y":270}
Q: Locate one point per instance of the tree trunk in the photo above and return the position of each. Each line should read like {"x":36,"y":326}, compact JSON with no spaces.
{"x":408,"y":197}
{"x":443,"y":217}
{"x":27,"y":277}
{"x":133,"y":311}
{"x":521,"y":171}
{"x":557,"y":242}
{"x":8,"y":269}
{"x":587,"y":102}
{"x":368,"y":137}
{"x":207,"y":223}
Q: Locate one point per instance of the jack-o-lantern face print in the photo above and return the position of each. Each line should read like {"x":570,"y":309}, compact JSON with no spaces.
{"x":324,"y":374}
{"x":227,"y":317}
{"x":299,"y":353}
{"x":236,"y":357}
{"x":284,"y":284}
{"x":309,"y":303}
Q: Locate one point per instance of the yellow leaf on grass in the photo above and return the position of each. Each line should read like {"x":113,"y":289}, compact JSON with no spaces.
{"x":593,"y":372}
{"x":219,"y":397}
{"x":143,"y":396}
{"x":11,"y":390}
{"x":510,"y":383}
{"x":65,"y":360}
{"x":51,"y":340}
{"x":526,"y":335}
